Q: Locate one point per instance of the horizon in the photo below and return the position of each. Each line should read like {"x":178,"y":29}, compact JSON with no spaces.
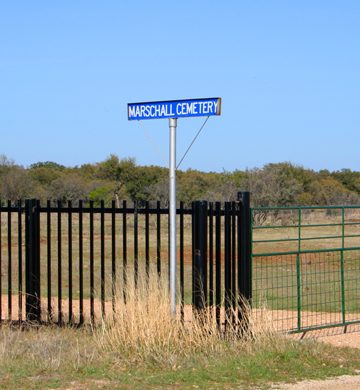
{"x":183,"y":170}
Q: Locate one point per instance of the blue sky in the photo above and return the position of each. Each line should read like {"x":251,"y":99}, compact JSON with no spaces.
{"x":288,"y":73}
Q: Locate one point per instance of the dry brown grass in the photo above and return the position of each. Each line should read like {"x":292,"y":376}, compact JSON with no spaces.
{"x":143,"y":346}
{"x":144,"y":330}
{"x":50,"y":348}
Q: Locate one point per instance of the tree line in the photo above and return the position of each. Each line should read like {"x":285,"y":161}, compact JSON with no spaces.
{"x":280,"y":184}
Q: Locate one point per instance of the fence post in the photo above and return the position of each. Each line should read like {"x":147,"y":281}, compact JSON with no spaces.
{"x":244,"y":259}
{"x":200,"y":255}
{"x":32,"y":260}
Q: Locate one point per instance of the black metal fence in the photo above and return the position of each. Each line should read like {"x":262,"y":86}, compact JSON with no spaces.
{"x":68,"y":264}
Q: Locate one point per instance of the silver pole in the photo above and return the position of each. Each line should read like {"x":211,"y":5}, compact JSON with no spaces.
{"x":172,"y":210}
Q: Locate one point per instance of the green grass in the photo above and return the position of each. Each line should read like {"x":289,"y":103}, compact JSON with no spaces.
{"x":67,"y":358}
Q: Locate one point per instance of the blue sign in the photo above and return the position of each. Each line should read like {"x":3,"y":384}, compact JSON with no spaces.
{"x":174,"y":109}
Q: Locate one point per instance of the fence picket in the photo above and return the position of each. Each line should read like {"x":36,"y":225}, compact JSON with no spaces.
{"x":76,"y":256}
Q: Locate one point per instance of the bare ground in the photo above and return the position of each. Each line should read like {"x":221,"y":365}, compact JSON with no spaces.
{"x":279,"y":319}
{"x":345,"y":382}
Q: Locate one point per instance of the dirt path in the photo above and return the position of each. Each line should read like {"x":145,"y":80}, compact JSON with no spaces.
{"x":345,"y":382}
{"x":342,"y":340}
{"x":338,"y":338}
{"x":280,"y":319}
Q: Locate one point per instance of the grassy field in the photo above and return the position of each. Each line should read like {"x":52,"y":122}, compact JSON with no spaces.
{"x":115,"y":357}
{"x":145,"y":348}
{"x":69,"y":359}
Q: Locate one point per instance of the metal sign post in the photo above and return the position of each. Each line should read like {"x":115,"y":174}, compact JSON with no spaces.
{"x":173,"y":109}
{"x":172,"y":211}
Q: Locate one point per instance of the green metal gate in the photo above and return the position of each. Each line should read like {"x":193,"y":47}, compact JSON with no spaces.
{"x":306,"y":266}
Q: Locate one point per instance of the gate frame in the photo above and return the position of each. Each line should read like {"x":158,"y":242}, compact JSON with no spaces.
{"x":200,"y":258}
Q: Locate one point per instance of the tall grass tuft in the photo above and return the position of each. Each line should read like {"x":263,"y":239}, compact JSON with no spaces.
{"x":143,"y":329}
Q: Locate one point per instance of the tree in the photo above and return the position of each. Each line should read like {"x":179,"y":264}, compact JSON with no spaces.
{"x":100,"y":193}
{"x":224,"y":186}
{"x":274,"y":185}
{"x":118,"y":171}
{"x":16,"y":184}
{"x":68,"y":187}
{"x":47,"y":164}
{"x":192,"y":186}
{"x":334,"y":193}
{"x":5,"y":164}
{"x":44,"y":175}
{"x":139,"y":184}
{"x":160,"y":191}
{"x":350,"y":179}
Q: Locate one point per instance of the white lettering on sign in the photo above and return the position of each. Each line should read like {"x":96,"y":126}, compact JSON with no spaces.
{"x":196,"y":108}
{"x":151,"y":111}
{"x":132,"y":111}
{"x":180,"y":108}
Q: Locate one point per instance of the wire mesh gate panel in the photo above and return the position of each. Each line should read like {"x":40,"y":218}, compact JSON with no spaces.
{"x":87,"y":254}
{"x":306,"y":266}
